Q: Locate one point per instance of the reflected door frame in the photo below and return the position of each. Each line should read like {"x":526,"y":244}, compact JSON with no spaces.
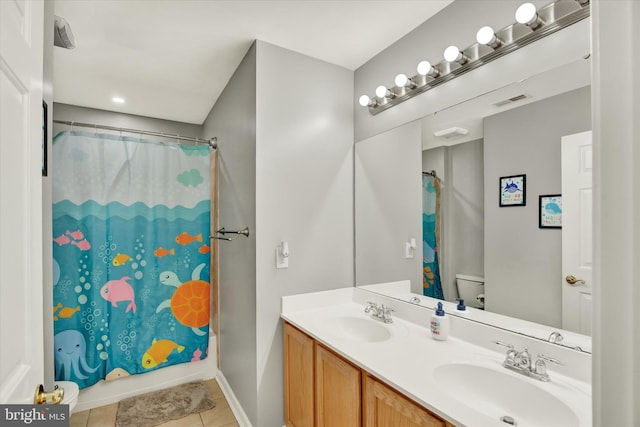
{"x":577,"y":232}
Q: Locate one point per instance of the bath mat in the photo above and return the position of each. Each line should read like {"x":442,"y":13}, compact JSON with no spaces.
{"x":160,"y":406}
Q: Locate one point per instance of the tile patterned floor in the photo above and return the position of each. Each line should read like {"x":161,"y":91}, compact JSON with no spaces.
{"x":220,"y":416}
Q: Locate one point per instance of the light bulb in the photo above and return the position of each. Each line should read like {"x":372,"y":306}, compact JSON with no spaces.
{"x":526,"y":14}
{"x":426,"y":69}
{"x":381,"y":91}
{"x":401,"y":80}
{"x":364,"y":101}
{"x":485,"y":35}
{"x":118,"y":100}
{"x":453,"y":54}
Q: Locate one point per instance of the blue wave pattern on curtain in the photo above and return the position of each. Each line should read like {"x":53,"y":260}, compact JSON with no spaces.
{"x":131,"y":255}
{"x":431,"y":285}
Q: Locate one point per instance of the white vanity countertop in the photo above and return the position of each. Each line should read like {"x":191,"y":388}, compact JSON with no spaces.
{"x":408,"y":360}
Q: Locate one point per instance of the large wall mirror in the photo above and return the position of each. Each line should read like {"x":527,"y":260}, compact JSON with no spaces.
{"x":449,"y":236}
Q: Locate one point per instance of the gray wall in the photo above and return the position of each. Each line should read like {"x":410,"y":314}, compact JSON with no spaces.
{"x":389,"y":206}
{"x":461,"y":170}
{"x":304,"y":195}
{"x":457,"y":24}
{"x":111,"y":118}
{"x":522,"y":261}
{"x":285,"y":160}
{"x":233,"y":120}
{"x":465,"y":231}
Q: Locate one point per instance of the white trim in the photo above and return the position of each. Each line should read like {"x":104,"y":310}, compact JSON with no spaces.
{"x":615,"y":100}
{"x":233,"y":401}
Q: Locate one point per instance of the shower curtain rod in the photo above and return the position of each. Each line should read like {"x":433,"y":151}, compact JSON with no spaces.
{"x":213,"y":142}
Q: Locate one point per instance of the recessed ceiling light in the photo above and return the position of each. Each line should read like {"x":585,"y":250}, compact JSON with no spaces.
{"x":118,"y":100}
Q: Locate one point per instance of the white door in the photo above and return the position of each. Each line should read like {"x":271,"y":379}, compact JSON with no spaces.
{"x":21,"y":311}
{"x":577,"y":237}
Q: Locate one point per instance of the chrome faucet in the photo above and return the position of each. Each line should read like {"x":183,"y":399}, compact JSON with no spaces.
{"x":520,"y":361}
{"x":380,"y":312}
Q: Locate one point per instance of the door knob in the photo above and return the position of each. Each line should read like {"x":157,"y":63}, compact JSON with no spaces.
{"x":572,"y":280}
{"x":43,"y":398}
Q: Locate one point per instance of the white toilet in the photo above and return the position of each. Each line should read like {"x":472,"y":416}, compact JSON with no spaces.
{"x":71,"y":393}
{"x":471,"y":289}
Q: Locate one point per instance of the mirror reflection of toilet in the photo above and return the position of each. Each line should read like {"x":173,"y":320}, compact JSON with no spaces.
{"x":471,"y":289}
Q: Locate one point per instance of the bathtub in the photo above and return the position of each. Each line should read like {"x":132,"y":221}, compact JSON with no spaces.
{"x":106,"y":392}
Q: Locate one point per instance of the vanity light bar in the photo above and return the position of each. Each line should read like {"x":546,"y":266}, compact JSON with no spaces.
{"x":541,"y":23}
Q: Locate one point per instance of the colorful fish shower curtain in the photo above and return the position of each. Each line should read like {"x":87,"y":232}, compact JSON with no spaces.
{"x":130,"y":255}
{"x":431,"y":285}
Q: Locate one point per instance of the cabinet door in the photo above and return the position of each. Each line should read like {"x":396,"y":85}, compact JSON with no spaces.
{"x":384,"y":407}
{"x":337,"y":391}
{"x":298,"y":378}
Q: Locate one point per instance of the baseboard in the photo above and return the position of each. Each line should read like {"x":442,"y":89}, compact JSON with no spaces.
{"x":233,"y":401}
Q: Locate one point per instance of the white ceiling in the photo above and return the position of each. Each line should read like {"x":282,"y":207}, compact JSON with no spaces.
{"x":172,"y":59}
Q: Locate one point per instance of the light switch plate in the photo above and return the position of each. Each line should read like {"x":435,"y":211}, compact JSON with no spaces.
{"x":281,"y":261}
{"x":408,"y":250}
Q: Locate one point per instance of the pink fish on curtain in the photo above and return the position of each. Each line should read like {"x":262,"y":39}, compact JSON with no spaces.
{"x":62,"y":240}
{"x":115,"y":291}
{"x":83,"y":245}
{"x":76,"y":235}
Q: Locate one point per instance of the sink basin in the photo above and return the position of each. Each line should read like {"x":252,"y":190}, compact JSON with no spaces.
{"x":498,"y":395}
{"x":357,"y":328}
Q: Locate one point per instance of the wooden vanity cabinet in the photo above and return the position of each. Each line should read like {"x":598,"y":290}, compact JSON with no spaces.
{"x":337,"y":390}
{"x":385,"y":407}
{"x":298,"y":378}
{"x":321,"y":389}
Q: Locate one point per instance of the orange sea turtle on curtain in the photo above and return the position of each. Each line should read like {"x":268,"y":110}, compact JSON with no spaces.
{"x":190,"y":301}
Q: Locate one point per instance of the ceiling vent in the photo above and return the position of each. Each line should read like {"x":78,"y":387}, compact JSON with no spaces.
{"x":62,"y":34}
{"x":512,"y":100}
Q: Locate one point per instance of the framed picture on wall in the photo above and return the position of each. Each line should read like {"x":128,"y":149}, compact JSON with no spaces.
{"x":44,"y":138}
{"x":550,"y":211}
{"x":513,"y":190}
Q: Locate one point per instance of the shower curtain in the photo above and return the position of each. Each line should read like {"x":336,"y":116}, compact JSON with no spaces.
{"x":131,"y":255}
{"x":431,"y":285}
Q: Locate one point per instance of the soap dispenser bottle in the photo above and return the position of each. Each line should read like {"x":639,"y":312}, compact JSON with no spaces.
{"x":439,"y":324}
{"x":461,"y":309}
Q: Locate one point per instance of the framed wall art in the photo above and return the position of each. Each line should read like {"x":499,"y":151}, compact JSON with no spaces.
{"x":550,"y":211}
{"x":513,"y":190}
{"x":45,"y":118}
